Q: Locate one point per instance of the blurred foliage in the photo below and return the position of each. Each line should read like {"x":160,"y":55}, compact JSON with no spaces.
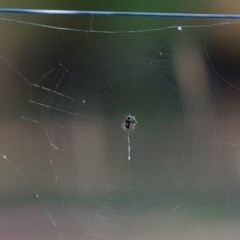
{"x":134,"y":5}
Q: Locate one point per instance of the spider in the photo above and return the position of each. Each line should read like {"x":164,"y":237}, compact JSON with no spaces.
{"x":129,"y":123}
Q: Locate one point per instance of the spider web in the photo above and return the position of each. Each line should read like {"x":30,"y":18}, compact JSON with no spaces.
{"x":77,"y":85}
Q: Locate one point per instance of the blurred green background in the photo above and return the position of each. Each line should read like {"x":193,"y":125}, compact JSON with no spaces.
{"x":205,"y":209}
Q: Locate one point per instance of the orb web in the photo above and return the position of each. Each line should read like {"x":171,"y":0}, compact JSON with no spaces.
{"x":117,"y":74}
{"x":83,"y":92}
